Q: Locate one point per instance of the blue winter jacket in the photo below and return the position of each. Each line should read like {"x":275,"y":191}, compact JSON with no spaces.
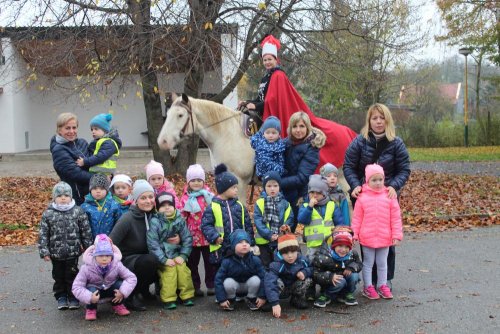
{"x":64,"y":158}
{"x":106,"y":150}
{"x":240,"y":269}
{"x":208,"y":223}
{"x":268,"y":156}
{"x":288,"y":274}
{"x":338,"y":196}
{"x":101,"y":221}
{"x":261,"y":225}
{"x":394,"y":159}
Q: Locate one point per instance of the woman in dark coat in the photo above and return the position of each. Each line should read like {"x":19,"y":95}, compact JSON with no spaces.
{"x":378,"y":143}
{"x":66,"y":148}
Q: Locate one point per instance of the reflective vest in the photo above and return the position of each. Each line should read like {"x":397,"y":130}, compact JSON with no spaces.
{"x":259,"y":240}
{"x":319,"y":229}
{"x":219,"y":225}
{"x":108,"y":166}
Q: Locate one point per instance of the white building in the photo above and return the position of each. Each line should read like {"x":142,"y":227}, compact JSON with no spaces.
{"x":28,"y":112}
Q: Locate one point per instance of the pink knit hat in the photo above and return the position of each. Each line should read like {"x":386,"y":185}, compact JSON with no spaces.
{"x":154,"y":168}
{"x":373,"y":169}
{"x":195,"y":172}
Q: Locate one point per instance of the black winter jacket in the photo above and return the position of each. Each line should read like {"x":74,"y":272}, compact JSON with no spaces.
{"x":325,"y":266}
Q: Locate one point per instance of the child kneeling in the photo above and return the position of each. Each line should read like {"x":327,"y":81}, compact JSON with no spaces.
{"x":240,"y":273}
{"x":103,"y":276}
{"x":290,"y":273}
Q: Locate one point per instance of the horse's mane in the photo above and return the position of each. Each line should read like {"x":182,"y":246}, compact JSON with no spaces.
{"x":217,"y":114}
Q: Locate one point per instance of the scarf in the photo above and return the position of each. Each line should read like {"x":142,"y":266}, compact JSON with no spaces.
{"x":378,"y":136}
{"x":104,"y":270}
{"x":338,"y":258}
{"x":123,"y":202}
{"x":325,"y":200}
{"x":271,"y":213}
{"x":61,"y":139}
{"x":192,"y":205}
{"x":64,"y":207}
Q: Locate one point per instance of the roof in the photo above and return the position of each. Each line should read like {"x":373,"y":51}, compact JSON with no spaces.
{"x":88,"y":50}
{"x":449,"y":91}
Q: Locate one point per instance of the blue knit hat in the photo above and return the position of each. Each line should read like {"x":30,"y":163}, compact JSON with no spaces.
{"x":102,"y":121}
{"x":272,"y":175}
{"x":224,"y":179}
{"x":237,"y":236}
{"x":271,"y":123}
{"x":102,"y":245}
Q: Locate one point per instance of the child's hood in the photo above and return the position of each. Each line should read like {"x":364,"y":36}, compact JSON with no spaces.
{"x":88,"y":255}
{"x":113,"y":134}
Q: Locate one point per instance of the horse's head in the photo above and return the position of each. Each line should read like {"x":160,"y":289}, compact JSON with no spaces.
{"x":179,"y":123}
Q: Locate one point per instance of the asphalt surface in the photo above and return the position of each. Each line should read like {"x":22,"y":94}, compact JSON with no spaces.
{"x":445,"y":283}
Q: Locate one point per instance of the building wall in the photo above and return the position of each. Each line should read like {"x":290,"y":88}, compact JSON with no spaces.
{"x":7,"y":72}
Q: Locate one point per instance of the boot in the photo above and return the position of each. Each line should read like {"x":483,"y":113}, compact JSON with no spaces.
{"x":133,"y":303}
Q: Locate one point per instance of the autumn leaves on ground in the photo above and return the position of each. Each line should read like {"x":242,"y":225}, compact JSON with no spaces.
{"x":429,"y":202}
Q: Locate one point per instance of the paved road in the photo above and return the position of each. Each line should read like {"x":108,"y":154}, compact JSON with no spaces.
{"x":446,"y":283}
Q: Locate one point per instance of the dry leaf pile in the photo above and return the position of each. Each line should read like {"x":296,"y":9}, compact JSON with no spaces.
{"x":429,"y":202}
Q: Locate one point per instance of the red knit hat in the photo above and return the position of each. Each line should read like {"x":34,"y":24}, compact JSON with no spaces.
{"x":287,"y":240}
{"x":342,"y":235}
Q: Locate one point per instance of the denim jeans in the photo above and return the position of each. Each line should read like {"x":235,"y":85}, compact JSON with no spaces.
{"x":346,"y":285}
{"x":105,"y":293}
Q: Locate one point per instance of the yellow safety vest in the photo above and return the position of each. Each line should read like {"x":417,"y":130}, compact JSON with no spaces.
{"x":108,"y":166}
{"x":319,"y":229}
{"x":259,"y":240}
{"x":219,"y":225}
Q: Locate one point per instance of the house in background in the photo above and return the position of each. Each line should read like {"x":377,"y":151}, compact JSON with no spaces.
{"x":30,"y":101}
{"x":450,"y":92}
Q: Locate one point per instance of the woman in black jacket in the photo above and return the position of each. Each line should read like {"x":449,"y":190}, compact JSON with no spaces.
{"x":379,"y":144}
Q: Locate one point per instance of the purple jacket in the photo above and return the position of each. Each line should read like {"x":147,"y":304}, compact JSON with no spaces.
{"x":89,"y":275}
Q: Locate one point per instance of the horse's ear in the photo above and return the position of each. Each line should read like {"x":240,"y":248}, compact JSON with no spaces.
{"x":185,"y":98}
{"x":173,"y":96}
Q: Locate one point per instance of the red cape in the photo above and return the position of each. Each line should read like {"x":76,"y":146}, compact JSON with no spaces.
{"x":282,"y":100}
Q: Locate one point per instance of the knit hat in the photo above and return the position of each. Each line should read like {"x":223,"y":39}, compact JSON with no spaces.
{"x":61,"y":188}
{"x":154,"y":168}
{"x":102,"y":121}
{"x":99,"y":180}
{"x":373,"y":169}
{"x":342,"y":235}
{"x":195,"y":172}
{"x":317,"y":183}
{"x":165,"y":197}
{"x":271,"y":123}
{"x":140,"y":187}
{"x":327,"y":169}
{"x":224,"y":179}
{"x":120,"y":178}
{"x":287,"y":240}
{"x":237,"y":236}
{"x":270,"y":45}
{"x":269,"y":176}
{"x":103,"y":245}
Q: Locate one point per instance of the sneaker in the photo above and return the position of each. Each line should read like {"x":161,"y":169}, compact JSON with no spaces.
{"x":322,"y":301}
{"x":370,"y":292}
{"x":188,"y":302}
{"x":231,"y":305}
{"x":252,"y":304}
{"x":239,"y":299}
{"x":62,"y":303}
{"x":285,"y":294}
{"x":74,"y":304}
{"x":170,"y":306}
{"x":199,"y":293}
{"x":350,"y":300}
{"x":210,"y":292}
{"x":90,"y":314}
{"x":299,"y":303}
{"x":120,"y":310}
{"x":385,"y":292}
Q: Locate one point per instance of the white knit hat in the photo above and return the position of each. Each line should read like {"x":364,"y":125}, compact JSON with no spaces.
{"x":120,"y":178}
{"x":270,"y":45}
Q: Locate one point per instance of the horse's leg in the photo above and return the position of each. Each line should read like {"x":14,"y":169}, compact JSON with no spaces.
{"x":242,"y":191}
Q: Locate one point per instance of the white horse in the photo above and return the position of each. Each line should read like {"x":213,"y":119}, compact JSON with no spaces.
{"x":219,"y":127}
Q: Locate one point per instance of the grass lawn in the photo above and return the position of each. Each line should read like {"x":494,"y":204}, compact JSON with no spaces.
{"x":480,"y":153}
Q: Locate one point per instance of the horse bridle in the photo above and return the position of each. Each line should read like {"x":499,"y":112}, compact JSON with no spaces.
{"x":190,"y":118}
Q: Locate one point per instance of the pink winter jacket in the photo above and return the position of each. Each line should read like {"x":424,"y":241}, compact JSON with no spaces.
{"x":193,"y":220}
{"x":376,"y":219}
{"x":89,"y":275}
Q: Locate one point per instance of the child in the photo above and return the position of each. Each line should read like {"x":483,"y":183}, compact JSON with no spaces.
{"x":335,"y":192}
{"x":376,"y":223}
{"x":102,"y":210}
{"x":271,"y":212}
{"x":64,"y":234}
{"x":337,"y":269}
{"x":290,"y":273}
{"x":224,"y":215}
{"x":103,"y":276}
{"x":156,"y":177}
{"x":121,"y":189}
{"x":173,"y":271}
{"x":269,"y":148}
{"x":104,"y":150}
{"x":240,"y":272}
{"x":195,"y":199}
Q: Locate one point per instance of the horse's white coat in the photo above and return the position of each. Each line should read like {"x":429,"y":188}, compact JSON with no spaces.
{"x":219,"y":127}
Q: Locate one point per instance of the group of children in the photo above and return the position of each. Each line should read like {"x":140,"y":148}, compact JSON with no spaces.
{"x":259,"y":260}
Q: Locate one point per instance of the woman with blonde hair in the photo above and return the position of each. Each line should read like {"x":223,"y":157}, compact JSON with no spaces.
{"x":379,"y":144}
{"x":66,"y":148}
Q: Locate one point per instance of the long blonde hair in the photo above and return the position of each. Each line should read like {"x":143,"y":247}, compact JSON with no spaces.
{"x":64,"y":118}
{"x":294,"y":119}
{"x":390,"y":131}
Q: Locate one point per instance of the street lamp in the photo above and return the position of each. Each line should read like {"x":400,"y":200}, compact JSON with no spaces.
{"x":465,"y":52}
